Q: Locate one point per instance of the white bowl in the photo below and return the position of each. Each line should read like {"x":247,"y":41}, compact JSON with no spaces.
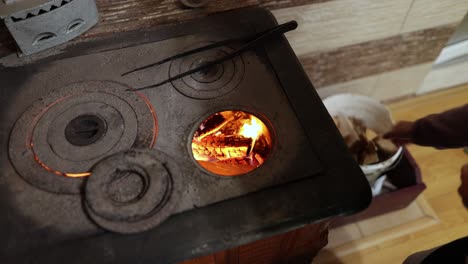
{"x":375,"y":116}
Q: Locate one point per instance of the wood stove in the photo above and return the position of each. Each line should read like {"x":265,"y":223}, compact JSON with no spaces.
{"x":94,"y":169}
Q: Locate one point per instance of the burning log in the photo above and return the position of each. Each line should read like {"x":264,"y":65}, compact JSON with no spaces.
{"x":221,"y":147}
{"x":232,"y":137}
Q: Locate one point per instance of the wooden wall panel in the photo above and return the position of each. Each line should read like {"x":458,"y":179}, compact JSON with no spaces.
{"x":374,"y":57}
{"x":400,"y":83}
{"x":230,"y":256}
{"x":338,"y":41}
{"x":133,"y":14}
{"x":363,"y":86}
{"x":263,"y":251}
{"x":202,"y":260}
{"x":341,"y":51}
{"x":277,"y":4}
{"x":308,"y":242}
{"x":429,"y":13}
{"x":343,"y":22}
{"x":125,"y":15}
{"x":297,"y":246}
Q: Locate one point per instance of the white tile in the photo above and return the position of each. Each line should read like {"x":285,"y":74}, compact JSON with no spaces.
{"x":363,"y":86}
{"x":432,"y":13}
{"x":401,"y":82}
{"x":452,"y":52}
{"x":343,"y":22}
{"x":383,"y":86}
{"x":445,"y":77}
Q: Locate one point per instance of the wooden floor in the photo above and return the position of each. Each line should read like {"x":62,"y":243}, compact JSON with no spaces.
{"x":441,"y":173}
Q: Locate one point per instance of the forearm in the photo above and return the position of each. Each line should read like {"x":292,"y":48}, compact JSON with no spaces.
{"x":445,"y":130}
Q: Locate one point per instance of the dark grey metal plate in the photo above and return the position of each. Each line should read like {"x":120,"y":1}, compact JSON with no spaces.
{"x":309,"y":177}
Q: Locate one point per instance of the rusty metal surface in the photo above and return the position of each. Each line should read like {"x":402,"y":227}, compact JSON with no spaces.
{"x":296,"y":185}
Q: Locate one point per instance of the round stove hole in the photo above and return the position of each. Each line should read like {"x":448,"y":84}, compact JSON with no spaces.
{"x":232,"y":143}
{"x":127,"y":187}
{"x":85,"y":130}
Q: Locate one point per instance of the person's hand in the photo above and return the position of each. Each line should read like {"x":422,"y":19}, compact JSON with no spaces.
{"x":463,"y":190}
{"x":401,"y":133}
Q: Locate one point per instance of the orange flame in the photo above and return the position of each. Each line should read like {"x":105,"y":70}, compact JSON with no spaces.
{"x":47,"y":168}
{"x":253,"y":128}
{"x":236,"y":141}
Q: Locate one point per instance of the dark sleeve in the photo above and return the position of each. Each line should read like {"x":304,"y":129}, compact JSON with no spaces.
{"x":453,"y":252}
{"x":445,"y":130}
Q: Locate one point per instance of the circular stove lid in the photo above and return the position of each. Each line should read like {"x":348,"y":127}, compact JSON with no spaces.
{"x":58,"y":139}
{"x":209,"y":83}
{"x":133,"y":191}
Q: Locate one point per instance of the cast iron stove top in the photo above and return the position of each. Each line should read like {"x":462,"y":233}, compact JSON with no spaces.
{"x":239,"y":151}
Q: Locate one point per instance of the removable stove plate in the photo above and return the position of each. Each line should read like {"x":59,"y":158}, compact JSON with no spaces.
{"x":309,"y":176}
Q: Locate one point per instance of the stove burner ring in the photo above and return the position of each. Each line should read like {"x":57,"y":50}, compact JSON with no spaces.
{"x":57,"y":140}
{"x":85,"y":130}
{"x":132,"y":191}
{"x":208,"y":75}
{"x":212,"y":82}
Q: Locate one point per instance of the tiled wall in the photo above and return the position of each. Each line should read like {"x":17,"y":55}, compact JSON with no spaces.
{"x":382,"y":49}
{"x":451,"y":67}
{"x":341,"y":23}
{"x":446,"y":76}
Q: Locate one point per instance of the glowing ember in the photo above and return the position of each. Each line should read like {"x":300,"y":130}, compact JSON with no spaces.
{"x":86,"y":174}
{"x":47,"y":168}
{"x":231,"y":143}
